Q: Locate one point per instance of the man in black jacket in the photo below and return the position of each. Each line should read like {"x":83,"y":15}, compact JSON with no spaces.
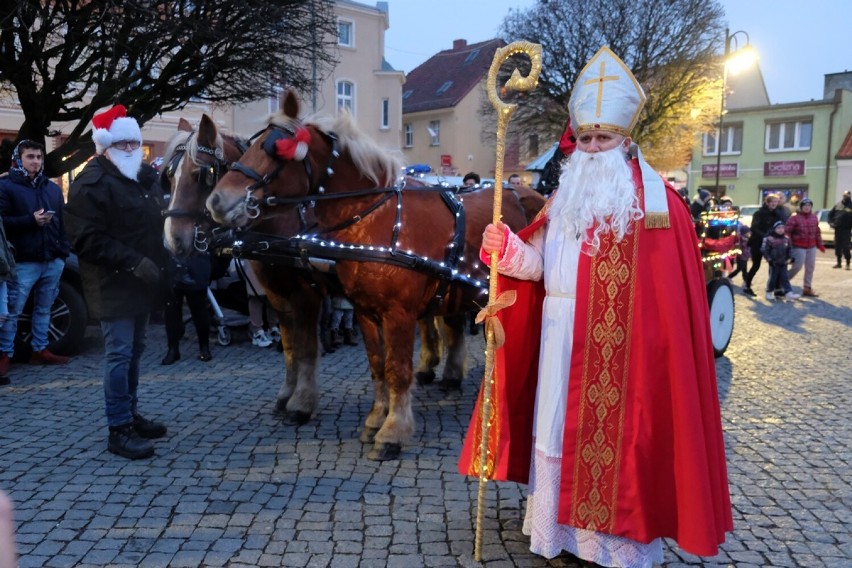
{"x":840,"y":219}
{"x":761,"y":225}
{"x":31,"y":206}
{"x":113,"y":217}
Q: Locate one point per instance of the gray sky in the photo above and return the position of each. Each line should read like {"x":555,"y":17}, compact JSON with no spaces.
{"x":798,"y":41}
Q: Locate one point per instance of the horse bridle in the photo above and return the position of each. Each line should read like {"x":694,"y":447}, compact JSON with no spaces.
{"x":208,"y":176}
{"x":261,"y":182}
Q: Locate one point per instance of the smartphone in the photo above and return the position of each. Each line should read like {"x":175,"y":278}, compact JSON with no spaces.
{"x":49,"y":212}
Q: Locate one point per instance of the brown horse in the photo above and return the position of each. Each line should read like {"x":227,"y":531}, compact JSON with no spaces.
{"x":193,"y":163}
{"x":395,"y":248}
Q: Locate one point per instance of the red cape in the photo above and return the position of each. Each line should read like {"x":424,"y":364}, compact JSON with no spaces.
{"x":647,"y":458}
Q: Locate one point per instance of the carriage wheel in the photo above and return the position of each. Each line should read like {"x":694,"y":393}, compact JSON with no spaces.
{"x":224,"y":337}
{"x":720,"y":295}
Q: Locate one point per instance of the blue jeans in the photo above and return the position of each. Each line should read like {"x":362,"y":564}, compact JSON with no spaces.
{"x":124,"y":342}
{"x":778,"y":279}
{"x":42,"y":279}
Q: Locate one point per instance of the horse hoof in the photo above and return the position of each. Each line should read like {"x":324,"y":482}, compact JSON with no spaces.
{"x":424,"y":377}
{"x":281,"y":404}
{"x":368,"y":435}
{"x":449,"y":384}
{"x":298,"y":417}
{"x":385,"y":452}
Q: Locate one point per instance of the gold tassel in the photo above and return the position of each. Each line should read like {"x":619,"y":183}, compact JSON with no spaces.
{"x":657,"y":220}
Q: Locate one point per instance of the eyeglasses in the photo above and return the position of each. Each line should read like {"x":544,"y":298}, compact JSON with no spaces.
{"x":126,"y":145}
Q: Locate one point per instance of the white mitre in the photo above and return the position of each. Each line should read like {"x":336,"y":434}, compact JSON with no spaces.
{"x":607,"y":96}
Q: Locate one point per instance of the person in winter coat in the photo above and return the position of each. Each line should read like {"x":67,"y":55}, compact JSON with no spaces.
{"x":190,"y":279}
{"x":805,"y":236}
{"x":840,"y":219}
{"x":7,"y":273}
{"x":776,"y":249}
{"x":114,"y":219}
{"x":31,"y":206}
{"x":761,"y":225}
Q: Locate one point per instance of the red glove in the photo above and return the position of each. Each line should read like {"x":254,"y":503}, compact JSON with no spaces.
{"x":821,"y":248}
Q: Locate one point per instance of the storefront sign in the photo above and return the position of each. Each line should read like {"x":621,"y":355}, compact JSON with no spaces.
{"x":785,"y":168}
{"x":725,"y":170}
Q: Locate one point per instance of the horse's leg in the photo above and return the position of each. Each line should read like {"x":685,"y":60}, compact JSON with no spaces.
{"x":454,"y":339}
{"x":298,"y":395}
{"x":398,"y":333}
{"x":430,"y":350}
{"x":373,"y":344}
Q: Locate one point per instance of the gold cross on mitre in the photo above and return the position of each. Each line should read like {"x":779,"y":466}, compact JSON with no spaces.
{"x":606,"y":96}
{"x":600,"y":81}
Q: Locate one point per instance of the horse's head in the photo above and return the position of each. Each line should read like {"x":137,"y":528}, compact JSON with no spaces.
{"x":291,"y":161}
{"x":194,"y":162}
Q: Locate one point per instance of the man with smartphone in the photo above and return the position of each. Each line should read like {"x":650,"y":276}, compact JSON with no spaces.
{"x":31,"y":207}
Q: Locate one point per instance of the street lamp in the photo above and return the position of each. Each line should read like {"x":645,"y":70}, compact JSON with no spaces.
{"x":737,"y":61}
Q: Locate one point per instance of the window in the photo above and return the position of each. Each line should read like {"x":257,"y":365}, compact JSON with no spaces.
{"x":435,"y":132}
{"x":385,"y":114}
{"x":345,"y":96}
{"x":344,"y":34}
{"x":443,"y":88}
{"x":470,"y":57}
{"x":407,"y":94}
{"x":792,"y":135}
{"x":732,"y":140}
{"x":409,"y":135}
{"x":532,"y":146}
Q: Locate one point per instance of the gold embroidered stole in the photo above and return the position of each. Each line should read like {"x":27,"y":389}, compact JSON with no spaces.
{"x":604,"y":382}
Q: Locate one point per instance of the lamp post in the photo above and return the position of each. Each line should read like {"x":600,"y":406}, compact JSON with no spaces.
{"x":742,"y":58}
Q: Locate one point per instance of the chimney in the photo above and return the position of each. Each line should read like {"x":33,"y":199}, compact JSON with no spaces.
{"x":459,"y":44}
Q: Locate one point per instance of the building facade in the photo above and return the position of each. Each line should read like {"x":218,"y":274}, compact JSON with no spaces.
{"x":795,"y":149}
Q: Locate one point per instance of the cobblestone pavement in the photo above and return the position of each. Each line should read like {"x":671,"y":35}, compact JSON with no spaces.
{"x":233,"y":485}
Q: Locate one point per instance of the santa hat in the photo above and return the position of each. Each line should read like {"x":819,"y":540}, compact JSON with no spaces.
{"x":114,"y":125}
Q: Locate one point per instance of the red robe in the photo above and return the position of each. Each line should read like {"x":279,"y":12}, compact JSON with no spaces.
{"x":643,"y":454}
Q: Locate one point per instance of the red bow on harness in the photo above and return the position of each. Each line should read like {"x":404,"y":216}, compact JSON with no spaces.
{"x":295,"y":148}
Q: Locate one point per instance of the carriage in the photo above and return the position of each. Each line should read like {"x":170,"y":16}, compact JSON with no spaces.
{"x":719,"y":244}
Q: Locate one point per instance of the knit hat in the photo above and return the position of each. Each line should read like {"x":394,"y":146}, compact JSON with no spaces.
{"x":113,"y":126}
{"x":806,"y":201}
{"x":777,"y":224}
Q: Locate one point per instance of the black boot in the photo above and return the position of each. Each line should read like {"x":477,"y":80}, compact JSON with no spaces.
{"x":325,"y":342}
{"x":124,"y":441}
{"x":148,"y":428}
{"x":838,"y":264}
{"x":335,"y":339}
{"x":347,"y":338}
{"x":204,"y":353}
{"x":171,"y":356}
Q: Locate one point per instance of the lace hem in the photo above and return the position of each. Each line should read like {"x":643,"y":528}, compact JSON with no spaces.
{"x":548,"y":538}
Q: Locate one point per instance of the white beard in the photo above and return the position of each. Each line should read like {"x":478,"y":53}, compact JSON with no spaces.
{"x":596,"y":190}
{"x":128,"y":163}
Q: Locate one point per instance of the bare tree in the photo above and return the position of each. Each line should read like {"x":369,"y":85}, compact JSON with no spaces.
{"x":66,"y":59}
{"x":672,"y":47}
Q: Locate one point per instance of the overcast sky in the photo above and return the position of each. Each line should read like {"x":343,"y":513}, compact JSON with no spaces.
{"x":798,"y":41}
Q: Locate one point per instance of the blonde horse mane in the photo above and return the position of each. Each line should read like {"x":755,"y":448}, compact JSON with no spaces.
{"x":380,"y":165}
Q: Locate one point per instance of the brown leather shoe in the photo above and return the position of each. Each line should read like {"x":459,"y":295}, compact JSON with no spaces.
{"x":45,"y":357}
{"x":809,"y":293}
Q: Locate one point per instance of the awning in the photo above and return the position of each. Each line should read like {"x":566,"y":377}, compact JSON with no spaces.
{"x":538,"y":164}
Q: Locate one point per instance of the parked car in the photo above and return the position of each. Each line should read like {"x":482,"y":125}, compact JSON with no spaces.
{"x":69,"y":316}
{"x":825,"y":228}
{"x":746,"y":213}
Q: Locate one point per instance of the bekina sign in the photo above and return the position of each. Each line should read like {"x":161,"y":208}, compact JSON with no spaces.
{"x":785,"y":168}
